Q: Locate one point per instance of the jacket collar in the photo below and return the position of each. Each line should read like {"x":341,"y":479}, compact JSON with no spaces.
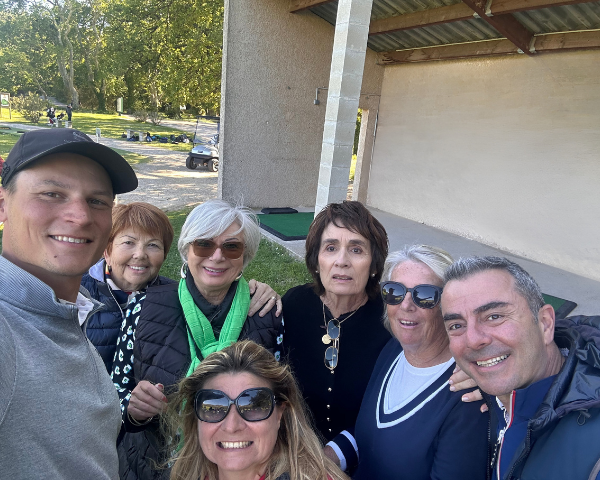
{"x":29,"y":293}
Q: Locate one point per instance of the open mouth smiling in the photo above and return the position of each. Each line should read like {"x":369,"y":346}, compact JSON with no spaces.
{"x":214,"y":270}
{"x":137,"y":268}
{"x":62,"y":238}
{"x":233,"y":445}
{"x":492,"y":361}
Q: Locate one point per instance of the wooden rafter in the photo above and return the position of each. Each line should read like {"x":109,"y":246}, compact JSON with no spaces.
{"x":552,"y":42}
{"x":298,"y":5}
{"x":456,"y":12}
{"x":506,"y":24}
{"x":433,"y":16}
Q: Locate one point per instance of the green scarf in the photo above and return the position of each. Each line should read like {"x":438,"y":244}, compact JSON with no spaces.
{"x":200,"y":331}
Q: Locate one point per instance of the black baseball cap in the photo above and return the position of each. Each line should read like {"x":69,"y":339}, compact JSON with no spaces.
{"x":36,"y":144}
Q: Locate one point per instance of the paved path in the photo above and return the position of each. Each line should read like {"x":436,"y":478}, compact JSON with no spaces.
{"x":164,"y":181}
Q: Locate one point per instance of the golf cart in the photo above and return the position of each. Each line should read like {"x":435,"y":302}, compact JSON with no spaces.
{"x":205,"y":154}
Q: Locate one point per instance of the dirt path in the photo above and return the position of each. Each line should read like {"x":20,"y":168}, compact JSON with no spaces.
{"x":164,"y":181}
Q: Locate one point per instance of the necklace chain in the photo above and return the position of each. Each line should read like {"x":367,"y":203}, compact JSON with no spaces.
{"x":326,"y":339}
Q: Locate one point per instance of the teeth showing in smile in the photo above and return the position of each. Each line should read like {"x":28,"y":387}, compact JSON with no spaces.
{"x":228,"y":445}
{"x":342,"y":277}
{"x":407,"y":323}
{"x":60,"y":238}
{"x":492,"y":361}
{"x":212,"y":270}
{"x":139,"y":269}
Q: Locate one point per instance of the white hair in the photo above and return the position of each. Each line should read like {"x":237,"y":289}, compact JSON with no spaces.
{"x":435,"y":258}
{"x":212,"y":218}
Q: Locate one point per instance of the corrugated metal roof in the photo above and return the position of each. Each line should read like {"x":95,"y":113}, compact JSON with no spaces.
{"x":583,"y":16}
{"x":456,"y":32}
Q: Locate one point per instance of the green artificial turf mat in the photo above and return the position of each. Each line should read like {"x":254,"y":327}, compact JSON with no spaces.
{"x":287,"y":226}
{"x":561,"y":306}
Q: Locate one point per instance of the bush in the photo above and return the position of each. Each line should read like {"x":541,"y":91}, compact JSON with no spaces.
{"x":140,"y":116}
{"x":173,"y":112}
{"x":155,"y":117}
{"x":30,"y":106}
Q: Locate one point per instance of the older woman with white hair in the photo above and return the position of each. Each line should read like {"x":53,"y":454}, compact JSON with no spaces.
{"x":410,"y":425}
{"x":180,"y":324}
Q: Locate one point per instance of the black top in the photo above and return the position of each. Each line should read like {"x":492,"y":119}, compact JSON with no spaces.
{"x":333,"y":398}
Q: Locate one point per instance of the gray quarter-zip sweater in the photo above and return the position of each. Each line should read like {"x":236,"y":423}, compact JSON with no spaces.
{"x":59,"y":411}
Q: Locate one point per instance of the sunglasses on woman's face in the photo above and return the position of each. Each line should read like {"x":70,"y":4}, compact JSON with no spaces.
{"x":423,"y":296}
{"x":253,"y":405}
{"x":205,"y":248}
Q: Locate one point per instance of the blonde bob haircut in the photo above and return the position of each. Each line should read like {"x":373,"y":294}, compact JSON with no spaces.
{"x":435,"y":258}
{"x":212,"y":218}
{"x":297,"y":451}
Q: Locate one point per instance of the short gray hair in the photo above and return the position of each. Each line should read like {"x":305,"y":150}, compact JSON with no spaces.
{"x":525,"y":285}
{"x":212,"y":218}
{"x":435,"y":258}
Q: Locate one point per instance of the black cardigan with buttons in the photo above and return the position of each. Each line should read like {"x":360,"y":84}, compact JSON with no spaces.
{"x":333,"y":398}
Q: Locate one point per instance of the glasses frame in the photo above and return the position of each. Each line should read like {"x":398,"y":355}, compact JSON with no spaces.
{"x":411,"y":290}
{"x":226,"y":253}
{"x":234,"y":402}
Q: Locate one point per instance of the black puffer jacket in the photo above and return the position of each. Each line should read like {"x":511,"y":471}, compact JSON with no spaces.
{"x":103,"y":327}
{"x":162,"y":355}
{"x":562,"y":438}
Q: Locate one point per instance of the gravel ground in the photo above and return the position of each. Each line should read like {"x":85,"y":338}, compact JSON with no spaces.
{"x":165,"y":181}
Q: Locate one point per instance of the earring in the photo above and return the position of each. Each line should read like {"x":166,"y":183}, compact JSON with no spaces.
{"x":109,"y":268}
{"x":240,"y":275}
{"x":316,"y":271}
{"x":184,"y":270}
{"x":373,"y":274}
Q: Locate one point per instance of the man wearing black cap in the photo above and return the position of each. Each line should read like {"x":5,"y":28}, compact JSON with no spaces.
{"x":59,"y":411}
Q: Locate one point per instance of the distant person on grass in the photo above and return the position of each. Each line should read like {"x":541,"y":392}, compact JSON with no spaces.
{"x":69,"y":111}
{"x":59,"y":411}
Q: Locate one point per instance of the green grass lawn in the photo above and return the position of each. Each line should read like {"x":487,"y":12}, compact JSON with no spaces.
{"x":272,"y":264}
{"x":112,"y":126}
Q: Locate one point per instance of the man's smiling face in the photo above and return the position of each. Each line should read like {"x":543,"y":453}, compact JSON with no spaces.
{"x":58,"y":217}
{"x":494,"y":336}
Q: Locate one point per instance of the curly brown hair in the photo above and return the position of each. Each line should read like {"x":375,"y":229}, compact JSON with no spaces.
{"x":355,"y":217}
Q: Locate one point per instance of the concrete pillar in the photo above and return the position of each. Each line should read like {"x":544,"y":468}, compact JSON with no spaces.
{"x":345,"y":81}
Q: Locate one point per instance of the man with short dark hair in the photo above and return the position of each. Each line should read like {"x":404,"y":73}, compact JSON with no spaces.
{"x":59,"y":411}
{"x":542,"y":383}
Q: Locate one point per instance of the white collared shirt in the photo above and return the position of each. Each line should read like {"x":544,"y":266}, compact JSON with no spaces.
{"x":84,"y":306}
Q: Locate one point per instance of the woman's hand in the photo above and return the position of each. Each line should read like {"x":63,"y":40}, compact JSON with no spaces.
{"x":263,"y":296}
{"x":461,"y":381}
{"x":146,"y":401}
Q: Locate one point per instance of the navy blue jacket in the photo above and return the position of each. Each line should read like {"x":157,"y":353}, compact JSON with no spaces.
{"x":562,"y":437}
{"x":103,"y":327}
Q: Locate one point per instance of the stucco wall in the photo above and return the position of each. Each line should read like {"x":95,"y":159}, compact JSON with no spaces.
{"x":504,"y":150}
{"x":271,"y":130}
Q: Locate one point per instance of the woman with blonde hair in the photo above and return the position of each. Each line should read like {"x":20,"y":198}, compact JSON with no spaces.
{"x":240,"y":415}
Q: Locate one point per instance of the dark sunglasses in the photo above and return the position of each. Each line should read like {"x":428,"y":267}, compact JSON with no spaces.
{"x":253,"y":405}
{"x":205,"y":248}
{"x":424,"y":296}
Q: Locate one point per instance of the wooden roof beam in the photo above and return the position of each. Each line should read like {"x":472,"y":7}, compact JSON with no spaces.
{"x":456,"y":12}
{"x":506,"y":24}
{"x":298,"y":5}
{"x":552,"y":42}
{"x":424,"y":18}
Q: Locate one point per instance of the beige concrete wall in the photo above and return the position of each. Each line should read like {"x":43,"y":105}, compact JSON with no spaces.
{"x":504,"y":150}
{"x":271,"y":130}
